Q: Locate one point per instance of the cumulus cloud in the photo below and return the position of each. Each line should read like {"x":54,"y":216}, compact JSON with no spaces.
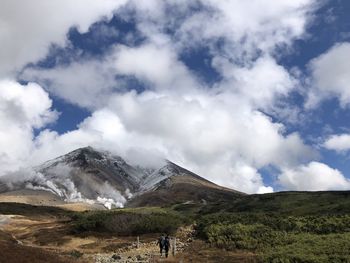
{"x":206,"y":127}
{"x":30,"y":27}
{"x":260,"y":83}
{"x":23,"y":108}
{"x":314,"y":176}
{"x":234,"y":173}
{"x":90,"y":82}
{"x":86,"y":83}
{"x":247,"y":27}
{"x":156,"y":64}
{"x":100,"y":129}
{"x":330,"y":76}
{"x":338,"y":143}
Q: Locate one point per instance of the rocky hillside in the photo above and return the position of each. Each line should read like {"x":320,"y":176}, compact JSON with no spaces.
{"x":91,"y":176}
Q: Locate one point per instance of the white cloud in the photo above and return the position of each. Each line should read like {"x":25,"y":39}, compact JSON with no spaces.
{"x":103,"y":128}
{"x":331,"y":76}
{"x":207,"y":126}
{"x":28,"y":28}
{"x":87,"y":83}
{"x":22,"y":108}
{"x":314,"y":176}
{"x":260,"y":83}
{"x":156,"y":64}
{"x":90,"y":82}
{"x":250,"y":25}
{"x":247,"y":27}
{"x":338,"y":143}
{"x":237,"y":175}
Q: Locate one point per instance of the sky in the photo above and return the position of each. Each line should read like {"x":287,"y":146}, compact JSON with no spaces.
{"x":252,"y":95}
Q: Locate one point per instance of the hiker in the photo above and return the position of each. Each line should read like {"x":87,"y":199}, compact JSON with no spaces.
{"x":161,"y":242}
{"x":166,"y":245}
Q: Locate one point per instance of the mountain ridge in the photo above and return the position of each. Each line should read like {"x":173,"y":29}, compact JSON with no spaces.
{"x":90,"y":176}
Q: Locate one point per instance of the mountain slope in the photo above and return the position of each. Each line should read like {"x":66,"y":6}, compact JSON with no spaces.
{"x":182,"y":186}
{"x":91,"y":176}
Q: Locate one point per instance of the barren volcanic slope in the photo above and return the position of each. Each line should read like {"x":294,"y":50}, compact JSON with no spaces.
{"x":97,"y":177}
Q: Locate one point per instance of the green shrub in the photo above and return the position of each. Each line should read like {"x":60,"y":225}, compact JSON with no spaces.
{"x":127,"y":222}
{"x":280,"y":239}
{"x":239,"y":236}
{"x":324,"y":224}
{"x":310,"y":248}
{"x":76,"y":254}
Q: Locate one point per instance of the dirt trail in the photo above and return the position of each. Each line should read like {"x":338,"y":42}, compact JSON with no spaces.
{"x":146,"y":250}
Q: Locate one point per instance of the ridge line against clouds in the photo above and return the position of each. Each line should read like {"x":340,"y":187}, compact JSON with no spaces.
{"x":143,"y":97}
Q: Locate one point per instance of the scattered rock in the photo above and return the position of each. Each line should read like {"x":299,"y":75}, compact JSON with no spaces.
{"x":116,"y":257}
{"x":147,"y":251}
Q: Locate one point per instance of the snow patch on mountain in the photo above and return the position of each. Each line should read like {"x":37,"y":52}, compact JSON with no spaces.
{"x":156,"y":177}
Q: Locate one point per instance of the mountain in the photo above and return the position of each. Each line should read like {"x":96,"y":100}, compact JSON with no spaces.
{"x":89,"y":176}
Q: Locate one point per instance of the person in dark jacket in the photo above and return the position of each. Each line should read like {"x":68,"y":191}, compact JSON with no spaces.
{"x":166,"y":245}
{"x":161,"y":242}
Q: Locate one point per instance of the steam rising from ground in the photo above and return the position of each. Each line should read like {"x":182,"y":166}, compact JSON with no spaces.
{"x":110,"y":196}
{"x":59,"y":182}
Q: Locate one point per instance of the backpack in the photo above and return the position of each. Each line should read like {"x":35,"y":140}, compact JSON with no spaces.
{"x":166,"y":242}
{"x":162,"y":241}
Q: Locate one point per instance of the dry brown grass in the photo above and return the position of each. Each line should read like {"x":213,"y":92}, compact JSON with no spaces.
{"x":199,"y":251}
{"x":15,"y":253}
{"x":45,"y":198}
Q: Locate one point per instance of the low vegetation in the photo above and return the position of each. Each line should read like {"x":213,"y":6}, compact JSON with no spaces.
{"x":32,"y":210}
{"x":287,"y":203}
{"x":279,"y":238}
{"x":128,"y":221}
